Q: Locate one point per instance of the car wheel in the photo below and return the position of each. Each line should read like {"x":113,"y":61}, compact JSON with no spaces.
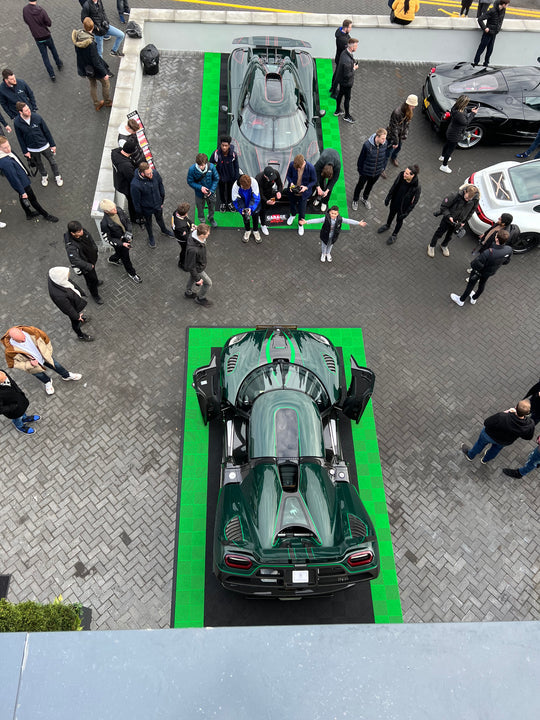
{"x":473,"y":135}
{"x":525,"y":242}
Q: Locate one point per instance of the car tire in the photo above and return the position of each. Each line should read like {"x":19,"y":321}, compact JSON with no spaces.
{"x":525,"y":242}
{"x":473,"y":135}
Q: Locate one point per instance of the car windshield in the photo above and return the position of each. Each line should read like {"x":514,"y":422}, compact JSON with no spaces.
{"x":490,"y":82}
{"x":282,"y":375}
{"x":526,"y":181}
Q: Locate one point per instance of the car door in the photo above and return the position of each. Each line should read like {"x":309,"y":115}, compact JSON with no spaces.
{"x":359,"y":392}
{"x":206,"y":384}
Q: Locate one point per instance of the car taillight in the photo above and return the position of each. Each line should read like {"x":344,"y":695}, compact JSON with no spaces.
{"x":239,"y":562}
{"x":471,"y":179}
{"x":482,"y":216}
{"x":360,"y":558}
{"x":432,"y":71}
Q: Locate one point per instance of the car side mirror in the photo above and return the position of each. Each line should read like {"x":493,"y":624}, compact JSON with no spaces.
{"x":224,"y":108}
{"x":322,"y":113}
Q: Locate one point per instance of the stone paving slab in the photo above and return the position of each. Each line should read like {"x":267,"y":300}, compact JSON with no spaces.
{"x":88,"y":504}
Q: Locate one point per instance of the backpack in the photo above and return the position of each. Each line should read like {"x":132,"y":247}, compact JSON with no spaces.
{"x":133,"y":29}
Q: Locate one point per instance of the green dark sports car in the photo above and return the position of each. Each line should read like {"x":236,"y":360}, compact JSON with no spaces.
{"x":289,"y":520}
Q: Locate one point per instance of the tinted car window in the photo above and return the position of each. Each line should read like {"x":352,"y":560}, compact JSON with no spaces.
{"x":493,"y":82}
{"x":526,"y":181}
{"x":282,"y":376}
{"x":533,"y":101}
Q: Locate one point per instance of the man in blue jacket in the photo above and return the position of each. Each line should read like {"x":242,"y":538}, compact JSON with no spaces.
{"x":301,"y":178}
{"x":204,"y":178}
{"x":17,"y":176}
{"x":37,"y":142}
{"x":148,"y":194}
{"x":13,"y":91}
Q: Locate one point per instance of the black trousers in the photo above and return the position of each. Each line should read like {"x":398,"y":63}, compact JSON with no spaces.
{"x":32,"y":199}
{"x":122,"y":253}
{"x":225,"y":191}
{"x":486,"y":43}
{"x":345,"y":93}
{"x":369,"y":182}
{"x":473,"y":279}
{"x":448,"y":149}
{"x":76,"y":325}
{"x":399,"y":222}
{"x":445,"y":228}
{"x":92,"y":281}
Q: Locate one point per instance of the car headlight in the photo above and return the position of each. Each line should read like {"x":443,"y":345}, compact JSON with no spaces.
{"x":236,"y":339}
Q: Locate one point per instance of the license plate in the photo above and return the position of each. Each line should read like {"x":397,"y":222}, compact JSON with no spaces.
{"x":426,"y":103}
{"x":300,"y":576}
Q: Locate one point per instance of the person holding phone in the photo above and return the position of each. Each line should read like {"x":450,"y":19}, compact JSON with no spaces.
{"x":460,"y":118}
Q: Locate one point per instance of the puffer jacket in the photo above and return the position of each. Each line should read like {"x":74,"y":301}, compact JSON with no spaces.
{"x":209,"y":179}
{"x":373,"y":158}
{"x":147,"y":194}
{"x":459,"y":119}
{"x":492,"y":20}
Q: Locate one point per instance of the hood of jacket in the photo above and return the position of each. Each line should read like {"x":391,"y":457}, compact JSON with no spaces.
{"x":81,"y":38}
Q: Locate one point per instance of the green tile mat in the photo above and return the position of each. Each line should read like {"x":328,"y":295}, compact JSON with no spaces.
{"x":188,"y":597}
{"x":208,"y":133}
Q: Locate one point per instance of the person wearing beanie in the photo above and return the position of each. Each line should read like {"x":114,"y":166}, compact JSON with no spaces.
{"x":69,"y":299}
{"x":39,"y":23}
{"x":14,"y":403}
{"x":398,"y":127}
{"x":82,"y":252}
{"x":118,"y":231}
{"x":270,"y":189}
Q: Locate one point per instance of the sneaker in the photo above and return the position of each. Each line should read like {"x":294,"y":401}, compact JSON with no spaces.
{"x":291,"y":219}
{"x":469,"y":271}
{"x":349,"y":119}
{"x":483,"y":460}
{"x":472,"y":300}
{"x":113,"y":262}
{"x":25,"y":429}
{"x":44,"y":180}
{"x":337,"y":113}
{"x":117,"y":53}
{"x":49,"y":388}
{"x":445,"y":169}
{"x":257,"y":236}
{"x":509,"y":471}
{"x":190,"y":294}
{"x":230,"y":207}
{"x":152,"y":243}
{"x":203,"y":301}
{"x":246,"y":237}
{"x":354,"y":205}
{"x":445,"y":251}
{"x":430,"y":251}
{"x":2,"y":225}
{"x":366,"y":203}
{"x":323,"y":207}
{"x":107,"y":37}
{"x":84,"y":337}
{"x":223,"y":207}
{"x":383,"y":228}
{"x":97,"y":299}
{"x":213,"y":224}
{"x":59,"y":180}
{"x":300,"y":230}
{"x":136,"y":279}
{"x":328,"y":258}
{"x":465,"y":450}
{"x":323,"y":257}
{"x":441,"y":158}
{"x":51,"y":218}
{"x":457,"y":300}
{"x":53,"y":77}
{"x":31,"y":418}
{"x":391,"y":240}
{"x":521,"y":156}
{"x":264,"y":230}
{"x":316,"y":202}
{"x":73,"y":376}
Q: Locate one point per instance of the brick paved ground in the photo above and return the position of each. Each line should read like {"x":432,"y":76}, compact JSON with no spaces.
{"x":88,"y":505}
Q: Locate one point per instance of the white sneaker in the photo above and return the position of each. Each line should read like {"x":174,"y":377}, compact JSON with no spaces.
{"x":2,"y":225}
{"x":73,"y":376}
{"x":247,"y":235}
{"x":300,"y":230}
{"x":456,"y":299}
{"x":431,"y":251}
{"x":323,"y":207}
{"x":441,"y":158}
{"x":44,"y":180}
{"x":469,"y":271}
{"x":328,"y":258}
{"x":366,"y":203}
{"x":354,"y":205}
{"x":257,"y":236}
{"x":291,"y":219}
{"x":473,"y":301}
{"x":323,"y":257}
{"x":59,"y":180}
{"x":445,"y":168}
{"x":264,"y":230}
{"x":445,"y":251}
{"x":316,"y":202}
{"x":49,"y":388}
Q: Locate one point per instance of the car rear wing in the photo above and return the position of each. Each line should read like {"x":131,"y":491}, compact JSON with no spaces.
{"x":270,"y":41}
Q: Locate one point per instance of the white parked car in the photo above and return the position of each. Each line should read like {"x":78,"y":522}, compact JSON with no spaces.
{"x":511,"y":187}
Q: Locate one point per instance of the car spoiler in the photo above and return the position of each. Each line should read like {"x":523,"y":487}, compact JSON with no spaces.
{"x":270,"y":41}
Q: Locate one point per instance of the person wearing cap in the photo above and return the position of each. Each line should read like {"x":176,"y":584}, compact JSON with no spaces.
{"x":82,"y":252}
{"x":456,"y":209}
{"x":69,"y":299}
{"x":402,"y":199}
{"x":270,"y":189}
{"x":398,"y":127}
{"x":403,"y":11}
{"x":328,"y":168}
{"x":14,"y":403}
{"x":118,"y":231}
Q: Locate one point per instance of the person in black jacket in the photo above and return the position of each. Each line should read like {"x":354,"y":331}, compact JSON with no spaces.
{"x":90,"y":65}
{"x":491,"y":23}
{"x":456,"y":210}
{"x":270,"y":189}
{"x":39,"y":23}
{"x":123,"y":172}
{"x":501,"y":430}
{"x":118,"y":231}
{"x":460,"y":117}
{"x":182,"y":228}
{"x":342,"y":40}
{"x":148,"y":195}
{"x":83,"y":254}
{"x":484,"y":266}
{"x":398,"y":127}
{"x":345,"y":79}
{"x":14,"y":403}
{"x":328,"y":169}
{"x":195,"y":264}
{"x":94,"y":10}
{"x":37,"y":142}
{"x":402,"y":198}
{"x":226,"y":161}
{"x":371,"y":163}
{"x":69,"y":298}
{"x":533,"y":395}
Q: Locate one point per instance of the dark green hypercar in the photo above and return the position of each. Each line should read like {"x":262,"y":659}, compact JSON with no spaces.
{"x":289,"y":520}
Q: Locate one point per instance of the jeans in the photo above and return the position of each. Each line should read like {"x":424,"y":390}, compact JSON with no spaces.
{"x":533,"y":461}
{"x":486,"y":43}
{"x":345,"y":93}
{"x":200,"y":202}
{"x":158,"y":214}
{"x":254,"y":216}
{"x":473,"y":279}
{"x":326,"y":249}
{"x":56,"y":367}
{"x":51,"y":159}
{"x":114,"y":32}
{"x":480,"y":444}
{"x":369,"y":182}
{"x":395,"y":151}
{"x":205,"y":287}
{"x":123,"y":7}
{"x":298,"y":203}
{"x":32,"y":199}
{"x":105,"y":90}
{"x":44,"y":46}
{"x":532,"y":148}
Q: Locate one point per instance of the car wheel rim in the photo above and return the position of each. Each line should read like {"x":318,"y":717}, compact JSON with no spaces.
{"x":472,"y":137}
